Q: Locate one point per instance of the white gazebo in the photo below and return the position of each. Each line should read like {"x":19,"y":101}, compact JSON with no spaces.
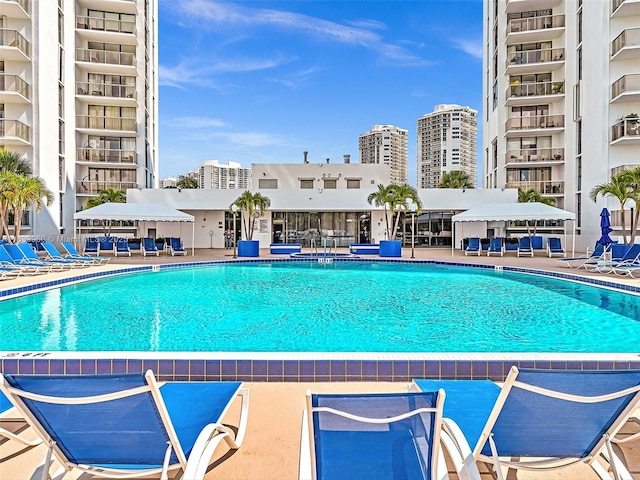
{"x":510,"y":212}
{"x":145,"y":212}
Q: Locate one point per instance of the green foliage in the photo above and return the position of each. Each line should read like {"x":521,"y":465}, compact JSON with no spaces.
{"x":13,"y":162}
{"x":109,"y":195}
{"x":395,"y":199}
{"x":187,"y":183}
{"x":456,"y":179}
{"x":251,"y":206}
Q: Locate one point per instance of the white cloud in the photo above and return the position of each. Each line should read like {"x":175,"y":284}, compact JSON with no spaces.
{"x":195,"y":122}
{"x":472,"y":47}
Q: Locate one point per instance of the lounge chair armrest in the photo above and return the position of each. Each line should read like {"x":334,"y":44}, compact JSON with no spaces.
{"x":211,"y":436}
{"x":460,"y":453}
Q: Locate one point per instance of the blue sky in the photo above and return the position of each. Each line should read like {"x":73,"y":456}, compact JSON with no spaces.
{"x":263,"y":81}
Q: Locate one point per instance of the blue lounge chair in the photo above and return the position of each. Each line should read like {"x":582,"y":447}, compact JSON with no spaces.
{"x":30,"y":254}
{"x":548,"y":418}
{"x":7,"y":261}
{"x":19,"y":258}
{"x":176,"y":248}
{"x":554,"y":247}
{"x":127,"y":425}
{"x":496,"y":247}
{"x":374,"y":436}
{"x":474,"y":247}
{"x":524,"y":247}
{"x":148,"y":247}
{"x":8,"y":418}
{"x":121,"y":247}
{"x":578,"y":262}
{"x":73,"y":254}
{"x":91,"y":247}
{"x":54,"y":255}
{"x":617,"y":253}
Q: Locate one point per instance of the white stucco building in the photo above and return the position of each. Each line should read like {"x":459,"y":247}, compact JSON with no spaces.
{"x":386,"y":145}
{"x":560,"y":85}
{"x":79,"y":97}
{"x":232,"y":176}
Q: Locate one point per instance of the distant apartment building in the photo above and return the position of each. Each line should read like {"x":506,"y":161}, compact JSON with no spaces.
{"x":447,"y":140}
{"x":79,"y":97}
{"x":386,"y":145}
{"x":561,"y":82}
{"x":231,"y":176}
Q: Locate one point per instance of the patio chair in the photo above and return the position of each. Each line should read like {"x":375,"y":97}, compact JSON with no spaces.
{"x":496,"y":247}
{"x":54,"y":255}
{"x":91,"y":247}
{"x":373,"y":436}
{"x":554,"y":247}
{"x":598,"y":253}
{"x":7,"y":418}
{"x":20,"y":259}
{"x":121,"y":247}
{"x":617,"y":253}
{"x":549,"y":419}
{"x":30,"y":254}
{"x":525,"y":249}
{"x":176,"y":248}
{"x":7,"y":261}
{"x":127,"y":425}
{"x":474,"y":247}
{"x":148,"y":247}
{"x":74,"y":254}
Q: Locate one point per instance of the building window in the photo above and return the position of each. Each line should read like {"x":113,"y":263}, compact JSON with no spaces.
{"x":332,"y":184}
{"x":355,"y":183}
{"x":306,"y":184}
{"x":268,"y":183}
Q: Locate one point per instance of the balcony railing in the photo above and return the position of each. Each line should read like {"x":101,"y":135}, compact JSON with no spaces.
{"x":626,"y":128}
{"x":24,"y":4}
{"x":106,"y":123}
{"x":106,"y":90}
{"x":535,"y":56}
{"x":628,"y":38}
{"x":535,"y":155}
{"x":615,"y":4}
{"x":546,"y":187}
{"x":105,"y":24}
{"x":14,"y":128}
{"x":535,"y":88}
{"x":535,"y":23}
{"x":105,"y":155}
{"x":11,"y":38}
{"x":626,"y":84}
{"x":93,"y":187}
{"x":542,"y":121}
{"x":13,"y":83}
{"x":103,"y":56}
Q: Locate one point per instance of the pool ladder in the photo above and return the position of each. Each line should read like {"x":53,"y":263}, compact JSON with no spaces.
{"x":327,"y":249}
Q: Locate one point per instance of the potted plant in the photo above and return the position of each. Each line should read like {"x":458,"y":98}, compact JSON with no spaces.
{"x":394,"y":199}
{"x":557,"y":87}
{"x":251,"y":206}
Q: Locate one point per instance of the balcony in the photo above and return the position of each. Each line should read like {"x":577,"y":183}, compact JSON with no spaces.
{"x":625,"y":8}
{"x":515,"y":6}
{"x":110,"y":94}
{"x":93,"y":187}
{"x":111,"y":62}
{"x":13,"y":89}
{"x":534,"y":93}
{"x":626,"y":89}
{"x":15,"y":9}
{"x":533,"y":61}
{"x":532,"y":126}
{"x":14,"y":132}
{"x":14,"y":46}
{"x":106,"y":30}
{"x":117,"y":125}
{"x":546,"y":187}
{"x":105,"y":155}
{"x":535,"y":29}
{"x":120,"y":6}
{"x":626,"y":131}
{"x":626,"y":46}
{"x":534,"y":156}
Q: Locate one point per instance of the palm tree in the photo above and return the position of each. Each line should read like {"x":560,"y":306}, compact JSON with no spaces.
{"x":19,"y":193}
{"x":251,"y":206}
{"x":8,"y":180}
{"x":455,"y":179}
{"x":380,"y":198}
{"x":187,"y":182}
{"x":109,"y":195}
{"x":619,"y":186}
{"x":530,"y":196}
{"x":13,"y":162}
{"x":394,"y":199}
{"x":634,"y":177}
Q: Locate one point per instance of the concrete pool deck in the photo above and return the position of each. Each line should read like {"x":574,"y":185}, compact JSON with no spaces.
{"x":271,"y":448}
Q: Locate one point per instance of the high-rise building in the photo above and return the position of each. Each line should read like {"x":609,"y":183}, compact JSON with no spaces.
{"x":79,"y":98}
{"x":446,"y":142}
{"x":560,"y":84}
{"x":214,"y":175}
{"x":386,"y":145}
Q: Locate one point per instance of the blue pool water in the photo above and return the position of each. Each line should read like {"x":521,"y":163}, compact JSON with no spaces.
{"x":342,"y":307}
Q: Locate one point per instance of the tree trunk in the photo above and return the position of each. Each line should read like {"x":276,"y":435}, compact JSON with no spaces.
{"x":17,"y":221}
{"x":634,"y":227}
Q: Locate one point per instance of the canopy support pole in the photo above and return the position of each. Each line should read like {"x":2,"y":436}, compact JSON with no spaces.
{"x":193,"y":237}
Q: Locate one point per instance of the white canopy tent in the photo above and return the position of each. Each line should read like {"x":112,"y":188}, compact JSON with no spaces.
{"x":509,"y":212}
{"x":146,"y":212}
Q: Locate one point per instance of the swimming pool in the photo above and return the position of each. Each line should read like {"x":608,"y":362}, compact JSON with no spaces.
{"x":307,"y":307}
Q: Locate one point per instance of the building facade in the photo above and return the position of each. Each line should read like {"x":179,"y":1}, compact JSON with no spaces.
{"x":447,"y":140}
{"x":386,"y":145}
{"x":231,"y":176}
{"x":78,"y":98}
{"x":560,"y":85}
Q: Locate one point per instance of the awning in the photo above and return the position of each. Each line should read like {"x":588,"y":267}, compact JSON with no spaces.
{"x":508,"y":212}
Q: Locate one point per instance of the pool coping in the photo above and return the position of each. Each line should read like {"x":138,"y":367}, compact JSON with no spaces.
{"x":307,"y":366}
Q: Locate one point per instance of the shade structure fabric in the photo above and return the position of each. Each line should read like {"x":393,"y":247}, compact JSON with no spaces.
{"x":148,"y":212}
{"x":506,"y":212}
{"x":605,"y":227}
